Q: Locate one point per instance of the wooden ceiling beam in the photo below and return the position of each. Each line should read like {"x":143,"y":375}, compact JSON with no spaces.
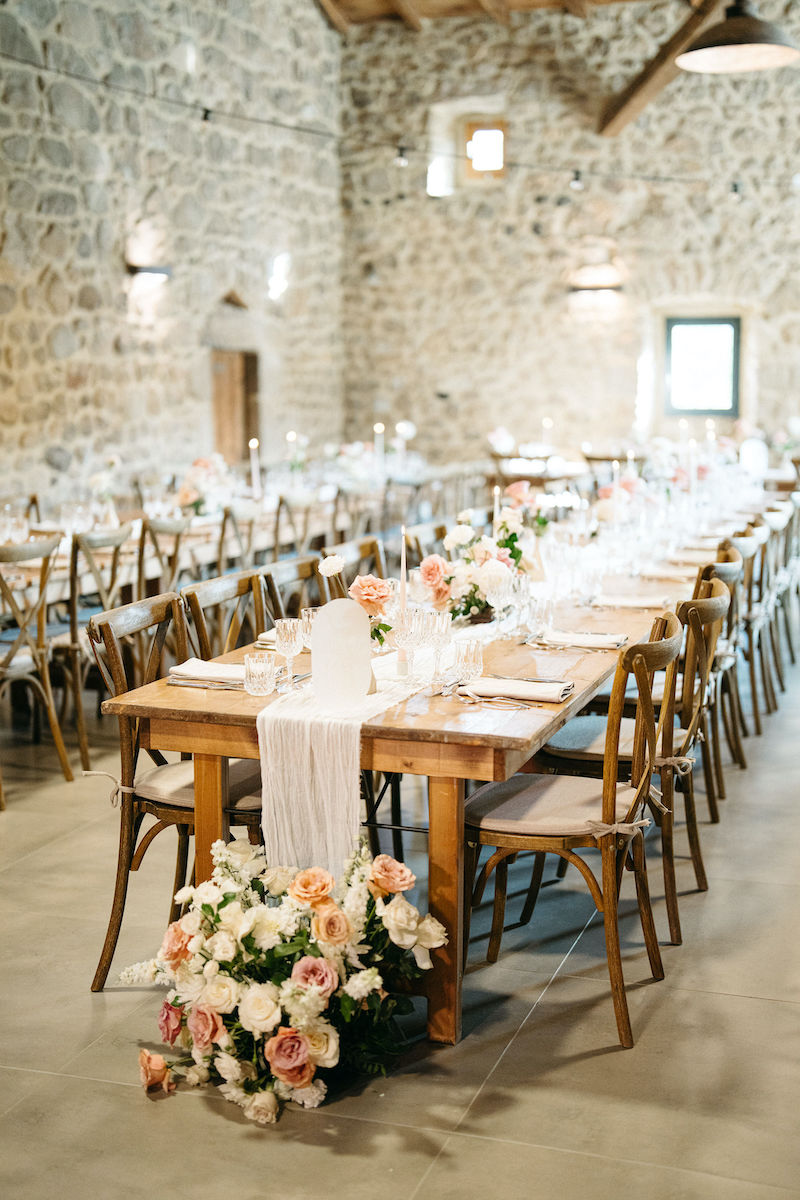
{"x":335,"y":16}
{"x":496,"y":9}
{"x":407,"y":9}
{"x":654,"y":77}
{"x":577,"y":8}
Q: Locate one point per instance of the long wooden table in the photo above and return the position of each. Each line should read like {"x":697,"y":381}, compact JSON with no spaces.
{"x":440,"y":738}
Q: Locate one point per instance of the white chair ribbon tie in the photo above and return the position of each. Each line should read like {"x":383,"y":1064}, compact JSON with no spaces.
{"x":682,"y":763}
{"x":118,"y":789}
{"x":625,"y":828}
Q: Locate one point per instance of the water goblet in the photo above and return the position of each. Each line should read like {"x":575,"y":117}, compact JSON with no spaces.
{"x":440,"y":634}
{"x":259,"y":673}
{"x":289,"y":643}
{"x":307,"y":616}
{"x":408,"y":633}
{"x":469,"y":660}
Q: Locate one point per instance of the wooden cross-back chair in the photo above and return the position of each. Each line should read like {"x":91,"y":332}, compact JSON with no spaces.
{"x":161,"y":549}
{"x":364,"y":556}
{"x":561,"y":814}
{"x":225,"y":612}
{"x":291,"y":585}
{"x":724,"y":700}
{"x":356,"y":513}
{"x":236,"y":545}
{"x":424,"y":539}
{"x":779,"y":517}
{"x":96,"y":576}
{"x":294,"y":527}
{"x":165,"y":790}
{"x":755,"y":621}
{"x":25,"y":572}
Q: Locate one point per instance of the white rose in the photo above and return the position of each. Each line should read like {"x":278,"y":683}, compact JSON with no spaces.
{"x":221,"y":993}
{"x":267,"y":929}
{"x":277,"y":879}
{"x":323,"y":1045}
{"x":400,"y":920}
{"x":259,"y":1011}
{"x":191,"y":921}
{"x":188,"y":984}
{"x":512,"y":519}
{"x":492,"y":575}
{"x":460,"y":535}
{"x":236,"y":921}
{"x":222,"y":946}
{"x":240,"y":852}
{"x":261,"y":1107}
{"x":332,"y":565}
{"x":207,"y":893}
{"x":184,"y":895}
{"x":430,"y":934}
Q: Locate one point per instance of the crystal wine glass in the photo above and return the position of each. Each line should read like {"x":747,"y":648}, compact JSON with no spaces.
{"x":408,"y":633}
{"x":440,"y":633}
{"x":307,"y":616}
{"x":289,"y":643}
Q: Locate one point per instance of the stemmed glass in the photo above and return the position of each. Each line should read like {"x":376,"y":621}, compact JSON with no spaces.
{"x":307,"y":616}
{"x":409,"y":632}
{"x":289,"y":643}
{"x":468,"y":665}
{"x":439,"y":634}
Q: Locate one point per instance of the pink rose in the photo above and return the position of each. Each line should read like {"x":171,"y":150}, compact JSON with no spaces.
{"x":169,"y":1022}
{"x":329,"y":924}
{"x":441,"y":596}
{"x":433,"y":569}
{"x":504,"y":556}
{"x":518,"y":493}
{"x":371,"y":593}
{"x":388,"y":875}
{"x":605,"y":492}
{"x":288,"y":1056}
{"x":312,"y":886}
{"x":316,"y":972}
{"x":205,"y":1025}
{"x":175,"y":946}
{"x":154,"y":1073}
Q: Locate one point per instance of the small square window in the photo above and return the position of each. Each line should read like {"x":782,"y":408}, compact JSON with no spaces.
{"x":702,"y":366}
{"x":484,"y":149}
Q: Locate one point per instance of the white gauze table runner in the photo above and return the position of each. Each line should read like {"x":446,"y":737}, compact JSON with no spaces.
{"x":310,"y":761}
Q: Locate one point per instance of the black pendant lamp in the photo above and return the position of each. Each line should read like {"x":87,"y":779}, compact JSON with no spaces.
{"x":742,"y":42}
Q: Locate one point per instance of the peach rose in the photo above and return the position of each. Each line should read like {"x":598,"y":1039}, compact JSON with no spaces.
{"x":329,"y":924}
{"x":288,"y":1056}
{"x":480,"y":555}
{"x":518,"y":493}
{"x":154,"y":1073}
{"x":316,"y":972}
{"x":169,"y":1022}
{"x":205,"y":1025}
{"x":312,"y":886}
{"x":441,"y":596}
{"x":433,"y":569}
{"x":605,"y":492}
{"x":372,"y":594}
{"x":388,"y":875}
{"x":175,"y":946}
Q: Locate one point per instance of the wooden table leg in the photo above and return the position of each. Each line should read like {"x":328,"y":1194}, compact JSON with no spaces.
{"x":210,"y":786}
{"x":446,"y":900}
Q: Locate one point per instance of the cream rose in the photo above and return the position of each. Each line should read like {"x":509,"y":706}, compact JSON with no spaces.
{"x":277,"y":879}
{"x":329,"y":924}
{"x":400,"y":920}
{"x":221,"y":993}
{"x":430,"y":934}
{"x":323,"y":1045}
{"x":222,"y":946}
{"x":261,"y":1107}
{"x":460,"y":535}
{"x":259,"y":1011}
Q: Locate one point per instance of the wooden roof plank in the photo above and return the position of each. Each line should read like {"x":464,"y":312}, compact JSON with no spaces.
{"x":335,"y":16}
{"x":408,"y":10}
{"x":496,"y":9}
{"x":655,"y":76}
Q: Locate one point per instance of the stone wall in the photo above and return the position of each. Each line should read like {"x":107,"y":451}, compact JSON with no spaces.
{"x":91,"y":175}
{"x":457,"y":309}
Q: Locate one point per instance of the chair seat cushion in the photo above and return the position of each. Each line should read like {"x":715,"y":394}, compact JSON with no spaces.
{"x":173,"y":783}
{"x":543,"y":805}
{"x":583,"y":739}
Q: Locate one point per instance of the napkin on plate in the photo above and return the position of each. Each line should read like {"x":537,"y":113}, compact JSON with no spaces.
{"x":581,"y":639}
{"x":520,"y":689}
{"x":209,"y":672}
{"x":267,"y":638}
{"x":614,"y":601}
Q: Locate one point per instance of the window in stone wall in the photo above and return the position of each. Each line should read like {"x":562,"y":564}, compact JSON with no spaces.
{"x":467,"y":143}
{"x":483,"y":144}
{"x":702,"y":366}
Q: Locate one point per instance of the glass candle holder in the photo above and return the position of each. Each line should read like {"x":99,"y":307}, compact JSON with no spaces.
{"x":259,"y":673}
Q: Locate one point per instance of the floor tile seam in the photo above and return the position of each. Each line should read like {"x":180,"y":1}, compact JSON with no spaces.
{"x":631,"y":1162}
{"x":677,"y":987}
{"x":523,"y":1022}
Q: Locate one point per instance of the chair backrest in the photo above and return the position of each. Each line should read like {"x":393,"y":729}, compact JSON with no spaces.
{"x":23,"y":597}
{"x":729,"y":567}
{"x":355,"y":513}
{"x":294,"y":528}
{"x":94,"y":570}
{"x":236,"y":544}
{"x":422,"y":540}
{"x":224,"y":610}
{"x":150,"y":621}
{"x":651,"y":737}
{"x":292,"y":584}
{"x":160,"y":545}
{"x":703,"y":617}
{"x":364,"y":556}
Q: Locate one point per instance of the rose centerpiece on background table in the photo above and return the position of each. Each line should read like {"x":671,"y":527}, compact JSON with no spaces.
{"x":484,"y":567}
{"x":279,"y":979}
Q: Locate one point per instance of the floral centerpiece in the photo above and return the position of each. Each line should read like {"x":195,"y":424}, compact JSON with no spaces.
{"x":279,"y":980}
{"x":207,"y":484}
{"x":373,"y":594}
{"x":485,"y":566}
{"x":533,"y":506}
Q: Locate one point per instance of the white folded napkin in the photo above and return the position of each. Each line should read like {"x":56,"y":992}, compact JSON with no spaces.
{"x":667,"y":572}
{"x":697,"y":558}
{"x":610,"y":600}
{"x":582,"y":639}
{"x":267,"y":638}
{"x":210,"y":672}
{"x":520,"y":689}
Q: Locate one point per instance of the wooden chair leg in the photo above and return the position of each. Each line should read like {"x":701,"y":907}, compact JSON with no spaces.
{"x":126,"y":845}
{"x":776,"y":646}
{"x":693,"y":833}
{"x":561,"y":868}
{"x":716,"y":754}
{"x":645,"y":906}
{"x":533,"y":888}
{"x":770,"y":698}
{"x":667,"y":823}
{"x":55,"y":728}
{"x":181,"y":863}
{"x":613,"y":954}
{"x":708,"y":773}
{"x":499,"y":911}
{"x":76,"y":682}
{"x":738,"y":726}
{"x":752,"y":651}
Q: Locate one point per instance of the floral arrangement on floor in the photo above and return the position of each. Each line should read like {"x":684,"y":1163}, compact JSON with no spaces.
{"x":486,"y":567}
{"x":279,"y":980}
{"x":373,"y":594}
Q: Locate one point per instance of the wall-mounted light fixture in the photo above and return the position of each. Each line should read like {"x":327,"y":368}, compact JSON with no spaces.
{"x":742,"y":42}
{"x":599,"y":269}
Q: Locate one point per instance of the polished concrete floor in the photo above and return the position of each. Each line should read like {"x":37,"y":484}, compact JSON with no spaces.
{"x":537,"y":1100}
